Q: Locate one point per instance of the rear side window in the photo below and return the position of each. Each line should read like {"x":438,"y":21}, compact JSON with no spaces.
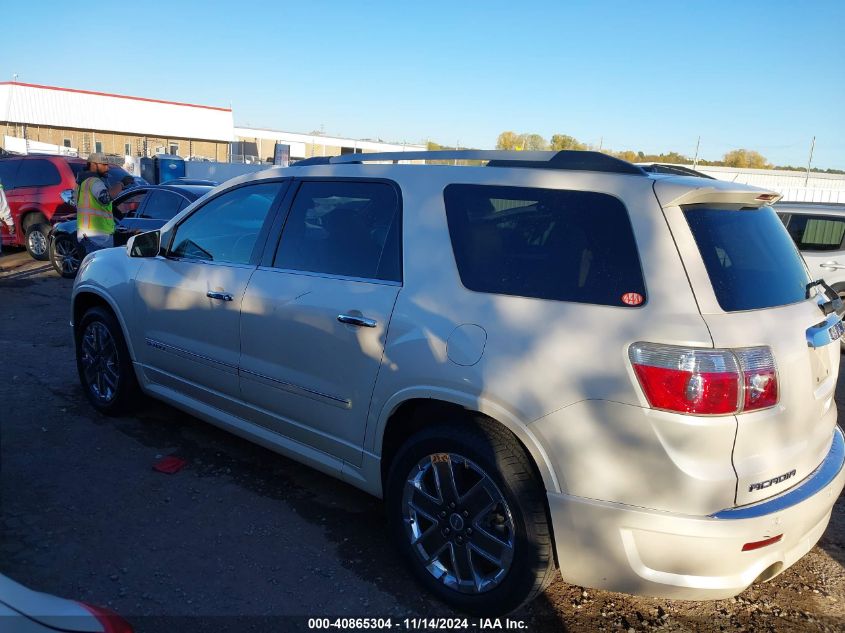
{"x":162,"y":205}
{"x":343,"y":228}
{"x":816,"y":233}
{"x":37,"y":173}
{"x":545,"y":243}
{"x":8,"y":169}
{"x":749,"y":256}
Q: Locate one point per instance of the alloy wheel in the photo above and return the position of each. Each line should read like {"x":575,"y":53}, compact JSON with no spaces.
{"x":66,"y":255}
{"x":99,"y":362}
{"x":458,"y":523}
{"x":37,"y":243}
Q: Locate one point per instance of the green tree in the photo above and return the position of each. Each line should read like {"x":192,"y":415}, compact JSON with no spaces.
{"x":533,"y":142}
{"x":507,"y":140}
{"x":745,"y":158}
{"x":629,"y":155}
{"x":564,"y":141}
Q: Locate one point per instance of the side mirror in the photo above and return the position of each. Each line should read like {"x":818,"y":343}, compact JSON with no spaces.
{"x":144,"y":245}
{"x":66,"y":196}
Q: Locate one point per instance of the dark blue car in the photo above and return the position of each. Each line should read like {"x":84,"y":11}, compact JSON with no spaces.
{"x":136,"y":210}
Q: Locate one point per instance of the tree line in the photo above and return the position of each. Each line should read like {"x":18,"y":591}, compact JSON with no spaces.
{"x":510,"y":140}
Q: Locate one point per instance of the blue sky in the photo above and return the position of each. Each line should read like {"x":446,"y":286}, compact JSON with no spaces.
{"x":651,"y":76}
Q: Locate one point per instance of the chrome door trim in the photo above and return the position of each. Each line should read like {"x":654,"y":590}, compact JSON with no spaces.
{"x":343,"y":403}
{"x":179,"y":351}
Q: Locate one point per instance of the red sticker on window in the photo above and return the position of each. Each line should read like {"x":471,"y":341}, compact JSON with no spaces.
{"x":632,"y":298}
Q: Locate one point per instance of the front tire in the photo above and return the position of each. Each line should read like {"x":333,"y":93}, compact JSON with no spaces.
{"x":37,"y":236}
{"x":104,"y":365}
{"x":469,"y":515}
{"x":65,"y":255}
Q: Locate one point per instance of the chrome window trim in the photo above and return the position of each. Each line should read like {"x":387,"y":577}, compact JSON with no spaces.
{"x":811,"y":485}
{"x":308,"y":273}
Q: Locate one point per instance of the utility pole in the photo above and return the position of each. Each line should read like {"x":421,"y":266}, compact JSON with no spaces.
{"x":601,"y":142}
{"x":695,"y":160}
{"x":810,"y":161}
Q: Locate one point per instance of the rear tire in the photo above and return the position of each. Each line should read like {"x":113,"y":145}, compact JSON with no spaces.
{"x":65,"y":255}
{"x":36,"y":241}
{"x":104,"y":365}
{"x":490,"y":550}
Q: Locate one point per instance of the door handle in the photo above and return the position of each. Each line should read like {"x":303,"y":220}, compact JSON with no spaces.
{"x":222,"y":296}
{"x":360,"y":321}
{"x":832,"y":265}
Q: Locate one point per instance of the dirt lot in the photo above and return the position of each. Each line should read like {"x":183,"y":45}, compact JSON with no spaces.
{"x":243,"y":539}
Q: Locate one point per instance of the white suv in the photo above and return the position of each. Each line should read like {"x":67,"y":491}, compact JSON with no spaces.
{"x":549,"y":360}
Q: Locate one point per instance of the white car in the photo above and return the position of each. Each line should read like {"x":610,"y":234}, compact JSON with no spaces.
{"x":818,"y":231}
{"x":552,"y":359}
{"x":23,"y":610}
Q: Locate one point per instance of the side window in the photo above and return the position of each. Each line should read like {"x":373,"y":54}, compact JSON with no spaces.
{"x":343,"y":228}
{"x":226,"y":228}
{"x":545,"y":243}
{"x":161,"y":205}
{"x":8,"y":169}
{"x":37,"y":173}
{"x":816,"y":233}
{"x":128,"y":207}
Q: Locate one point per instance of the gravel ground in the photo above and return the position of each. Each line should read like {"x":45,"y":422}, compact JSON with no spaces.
{"x":243,"y":539}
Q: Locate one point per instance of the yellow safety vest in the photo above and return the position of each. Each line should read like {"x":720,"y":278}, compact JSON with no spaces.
{"x":92,"y":217}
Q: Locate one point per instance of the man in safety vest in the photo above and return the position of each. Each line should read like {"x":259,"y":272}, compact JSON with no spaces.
{"x":93,"y":200}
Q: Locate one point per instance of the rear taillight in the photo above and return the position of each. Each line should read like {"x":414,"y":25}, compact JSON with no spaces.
{"x":109,"y":620}
{"x":760,"y":381}
{"x":705,"y":381}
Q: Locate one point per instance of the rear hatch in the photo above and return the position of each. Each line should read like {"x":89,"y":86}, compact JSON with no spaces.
{"x":751,"y":286}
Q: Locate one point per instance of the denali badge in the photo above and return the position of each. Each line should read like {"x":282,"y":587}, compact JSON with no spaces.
{"x":771,"y":482}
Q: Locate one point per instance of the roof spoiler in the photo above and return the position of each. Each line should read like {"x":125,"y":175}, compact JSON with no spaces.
{"x":676,"y":192}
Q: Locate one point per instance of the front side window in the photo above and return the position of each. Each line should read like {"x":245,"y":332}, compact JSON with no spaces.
{"x":343,"y":228}
{"x":544,"y":243}
{"x":128,"y":206}
{"x":226,"y":228}
{"x":37,"y":173}
{"x":816,"y":233}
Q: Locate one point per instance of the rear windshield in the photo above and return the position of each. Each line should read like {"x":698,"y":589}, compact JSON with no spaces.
{"x":545,"y":243}
{"x":751,"y":260}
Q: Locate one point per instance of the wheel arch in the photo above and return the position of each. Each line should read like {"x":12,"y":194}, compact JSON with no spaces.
{"x":30,"y":216}
{"x":86,"y":298}
{"x":403,"y":415}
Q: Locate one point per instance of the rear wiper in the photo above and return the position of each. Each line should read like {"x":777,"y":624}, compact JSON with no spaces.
{"x":834,"y":305}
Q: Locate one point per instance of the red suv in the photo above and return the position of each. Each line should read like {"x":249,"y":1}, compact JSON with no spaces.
{"x":39,"y":188}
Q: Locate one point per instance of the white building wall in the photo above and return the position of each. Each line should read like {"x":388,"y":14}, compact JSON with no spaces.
{"x":62,"y":107}
{"x":794,"y":186}
{"x":298,"y":141}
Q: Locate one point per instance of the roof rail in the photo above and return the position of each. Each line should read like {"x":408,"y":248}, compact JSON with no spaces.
{"x":565,"y":159}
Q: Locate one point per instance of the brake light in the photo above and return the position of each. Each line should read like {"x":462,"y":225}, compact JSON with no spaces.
{"x":705,"y":381}
{"x":110,"y":621}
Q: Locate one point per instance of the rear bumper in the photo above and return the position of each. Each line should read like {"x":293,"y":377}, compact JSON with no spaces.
{"x":646,"y":552}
